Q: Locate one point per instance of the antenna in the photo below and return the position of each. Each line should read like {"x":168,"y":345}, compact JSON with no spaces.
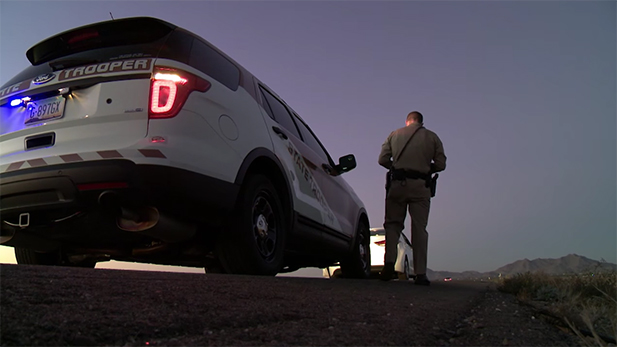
{"x":112,"y":16}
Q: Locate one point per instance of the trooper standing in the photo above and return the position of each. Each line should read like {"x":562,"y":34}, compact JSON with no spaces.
{"x":411,"y":154}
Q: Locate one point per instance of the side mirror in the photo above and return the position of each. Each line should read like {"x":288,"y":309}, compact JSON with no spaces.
{"x":346,"y":163}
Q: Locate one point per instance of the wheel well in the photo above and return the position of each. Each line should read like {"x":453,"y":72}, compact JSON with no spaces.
{"x":267,"y":167}
{"x":364,"y":218}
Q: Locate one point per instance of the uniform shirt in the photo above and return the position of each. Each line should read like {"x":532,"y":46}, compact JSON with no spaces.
{"x":424,"y":149}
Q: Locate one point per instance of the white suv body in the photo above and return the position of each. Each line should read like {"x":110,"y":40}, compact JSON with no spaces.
{"x":137,"y":140}
{"x":404,"y":256}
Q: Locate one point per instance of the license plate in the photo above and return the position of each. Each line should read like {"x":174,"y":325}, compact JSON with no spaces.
{"x":44,"y":110}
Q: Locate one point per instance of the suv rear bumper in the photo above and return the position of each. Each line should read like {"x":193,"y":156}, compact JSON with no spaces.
{"x":66,"y":188}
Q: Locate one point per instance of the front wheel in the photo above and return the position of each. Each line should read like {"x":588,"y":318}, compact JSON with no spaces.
{"x":406,"y":275}
{"x":358,"y":263}
{"x":254,"y":242}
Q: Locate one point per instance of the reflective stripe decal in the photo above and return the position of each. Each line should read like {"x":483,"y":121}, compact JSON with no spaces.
{"x":69,"y":158}
{"x":73,"y":158}
{"x":152,"y":153}
{"x":109,"y":154}
{"x":15,"y":166}
{"x":37,"y":162}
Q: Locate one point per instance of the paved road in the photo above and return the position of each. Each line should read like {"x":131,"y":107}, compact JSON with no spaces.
{"x":72,"y":306}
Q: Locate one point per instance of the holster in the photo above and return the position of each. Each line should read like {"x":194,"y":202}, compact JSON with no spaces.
{"x":433,"y":185}
{"x":388,"y":180}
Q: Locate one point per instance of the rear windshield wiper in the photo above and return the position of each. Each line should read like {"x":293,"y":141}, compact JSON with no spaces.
{"x":66,"y":63}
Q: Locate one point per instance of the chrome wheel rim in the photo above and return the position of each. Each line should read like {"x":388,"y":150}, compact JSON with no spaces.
{"x":264,"y":226}
{"x":407,"y":274}
{"x":363,"y":250}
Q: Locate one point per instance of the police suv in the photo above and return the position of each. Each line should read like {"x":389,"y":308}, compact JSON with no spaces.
{"x":137,"y":140}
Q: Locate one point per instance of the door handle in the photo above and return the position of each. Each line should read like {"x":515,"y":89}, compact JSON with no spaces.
{"x":280,"y":132}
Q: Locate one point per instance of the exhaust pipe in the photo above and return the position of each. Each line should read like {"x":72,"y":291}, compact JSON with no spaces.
{"x":146,"y":220}
{"x":138,"y":220}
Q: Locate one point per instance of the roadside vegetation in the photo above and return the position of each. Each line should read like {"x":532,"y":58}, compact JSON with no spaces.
{"x":586,"y":303}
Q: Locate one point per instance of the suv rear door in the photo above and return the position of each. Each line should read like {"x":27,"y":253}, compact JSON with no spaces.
{"x":87,"y":89}
{"x":336,"y":192}
{"x":309,"y":199}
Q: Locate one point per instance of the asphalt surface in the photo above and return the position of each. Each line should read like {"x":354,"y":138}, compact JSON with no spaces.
{"x":48,"y":306}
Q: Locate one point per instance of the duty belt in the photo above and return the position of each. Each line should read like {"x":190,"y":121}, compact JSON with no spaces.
{"x":401,"y":175}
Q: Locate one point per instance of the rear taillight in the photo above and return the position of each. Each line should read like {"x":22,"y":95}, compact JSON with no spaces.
{"x":169,"y":90}
{"x":381,"y":243}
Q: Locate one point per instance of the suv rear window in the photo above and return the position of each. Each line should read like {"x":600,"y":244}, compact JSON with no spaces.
{"x":122,"y":32}
{"x":126,"y":39}
{"x":215,"y":65}
{"x":107,"y":41}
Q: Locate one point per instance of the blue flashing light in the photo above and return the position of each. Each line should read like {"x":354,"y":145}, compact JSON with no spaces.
{"x":19,"y":102}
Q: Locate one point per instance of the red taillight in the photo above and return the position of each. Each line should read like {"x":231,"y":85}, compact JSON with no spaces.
{"x":163,"y":96}
{"x":381,"y":243}
{"x":169,"y":90}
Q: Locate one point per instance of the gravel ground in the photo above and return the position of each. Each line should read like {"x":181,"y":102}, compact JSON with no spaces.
{"x":49,"y":306}
{"x":499,"y":320}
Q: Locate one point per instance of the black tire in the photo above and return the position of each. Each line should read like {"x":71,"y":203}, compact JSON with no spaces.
{"x":88,"y":264}
{"x":214,"y":267}
{"x":358,"y":264}
{"x":254,"y":242}
{"x":31,"y":257}
{"x":406,"y":275}
{"x":336,"y":273}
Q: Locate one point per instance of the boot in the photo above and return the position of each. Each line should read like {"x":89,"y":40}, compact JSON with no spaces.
{"x":387,"y":272}
{"x":422,"y":280}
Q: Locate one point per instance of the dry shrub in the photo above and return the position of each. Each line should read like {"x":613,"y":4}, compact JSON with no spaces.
{"x":586,"y":302}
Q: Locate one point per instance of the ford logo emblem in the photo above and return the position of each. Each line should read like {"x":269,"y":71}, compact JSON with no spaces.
{"x":44,"y":78}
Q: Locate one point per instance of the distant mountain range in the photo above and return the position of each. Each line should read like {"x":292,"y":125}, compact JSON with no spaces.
{"x":570,"y":264}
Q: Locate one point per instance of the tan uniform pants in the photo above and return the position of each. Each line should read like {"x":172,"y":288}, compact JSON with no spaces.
{"x":399,"y":200}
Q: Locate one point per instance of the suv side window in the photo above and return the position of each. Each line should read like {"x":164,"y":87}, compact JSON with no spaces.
{"x":280,"y":113}
{"x":210,"y":62}
{"x":311,"y":140}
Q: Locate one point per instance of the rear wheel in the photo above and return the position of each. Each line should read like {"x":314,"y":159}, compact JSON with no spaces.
{"x":254,"y":243}
{"x":30,"y":257}
{"x":358,"y":264}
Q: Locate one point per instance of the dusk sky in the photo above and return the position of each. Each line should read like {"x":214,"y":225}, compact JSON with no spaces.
{"x":522,"y":95}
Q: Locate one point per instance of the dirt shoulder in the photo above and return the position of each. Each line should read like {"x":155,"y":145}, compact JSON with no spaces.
{"x":65,"y":306}
{"x":498,"y":319}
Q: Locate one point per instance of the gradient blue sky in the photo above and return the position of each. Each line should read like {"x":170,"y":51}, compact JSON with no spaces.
{"x":522,"y":94}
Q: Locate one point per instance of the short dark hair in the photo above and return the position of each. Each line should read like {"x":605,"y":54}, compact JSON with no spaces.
{"x":415,"y":115}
